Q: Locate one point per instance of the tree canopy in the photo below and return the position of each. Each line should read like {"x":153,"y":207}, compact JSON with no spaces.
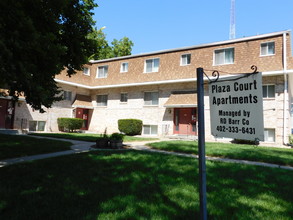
{"x":122,"y":47}
{"x":38,"y":39}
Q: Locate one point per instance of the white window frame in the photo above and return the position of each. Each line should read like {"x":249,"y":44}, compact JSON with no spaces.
{"x":225,"y":60}
{"x":67,"y":95}
{"x":271,"y":138}
{"x":153,"y":102}
{"x":153,"y":67}
{"x":37,"y":127}
{"x":267,"y":88}
{"x":103,"y":103}
{"x":124,"y":67}
{"x":102,"y":71}
{"x":151,"y":128}
{"x":184,"y":59}
{"x":267,"y":51}
{"x":86,"y":71}
{"x":121,"y":99}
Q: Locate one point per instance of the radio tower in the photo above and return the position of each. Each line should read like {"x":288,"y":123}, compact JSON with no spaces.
{"x":232,"y":20}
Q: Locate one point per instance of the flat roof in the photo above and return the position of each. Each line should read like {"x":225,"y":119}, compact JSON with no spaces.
{"x":194,"y":47}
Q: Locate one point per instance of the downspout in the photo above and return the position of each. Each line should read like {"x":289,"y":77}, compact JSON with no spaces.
{"x":285,"y":141}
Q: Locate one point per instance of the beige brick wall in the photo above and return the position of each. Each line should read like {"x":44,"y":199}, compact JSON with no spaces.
{"x":107,"y":117}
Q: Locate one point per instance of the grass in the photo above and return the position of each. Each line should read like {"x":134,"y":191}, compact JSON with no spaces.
{"x":88,"y":137}
{"x":279,"y":156}
{"x":141,"y":185}
{"x":12,"y":146}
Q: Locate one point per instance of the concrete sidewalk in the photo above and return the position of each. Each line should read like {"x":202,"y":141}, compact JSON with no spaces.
{"x":84,"y":146}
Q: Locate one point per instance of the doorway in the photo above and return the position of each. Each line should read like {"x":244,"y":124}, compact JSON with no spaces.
{"x":185,"y":121}
{"x":6,"y":114}
{"x":83,"y":114}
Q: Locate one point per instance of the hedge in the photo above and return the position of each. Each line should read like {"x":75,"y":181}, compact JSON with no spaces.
{"x":69,"y":124}
{"x":130,"y":126}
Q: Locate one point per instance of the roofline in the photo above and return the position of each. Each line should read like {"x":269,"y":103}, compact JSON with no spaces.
{"x":194,"y":47}
{"x":270,"y":73}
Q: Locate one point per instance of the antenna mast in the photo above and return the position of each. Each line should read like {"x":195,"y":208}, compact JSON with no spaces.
{"x":232,"y":20}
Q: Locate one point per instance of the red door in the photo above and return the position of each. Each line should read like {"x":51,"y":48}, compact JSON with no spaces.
{"x":6,"y":114}
{"x":185,"y":121}
{"x":83,"y":114}
{"x":3,"y":112}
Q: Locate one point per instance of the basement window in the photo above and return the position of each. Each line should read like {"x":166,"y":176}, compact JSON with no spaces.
{"x":150,"y":129}
{"x":37,"y":125}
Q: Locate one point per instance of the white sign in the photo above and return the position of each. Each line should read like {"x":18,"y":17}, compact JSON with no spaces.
{"x":236,"y":106}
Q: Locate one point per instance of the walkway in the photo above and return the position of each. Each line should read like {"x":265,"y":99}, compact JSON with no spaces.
{"x":83,"y":146}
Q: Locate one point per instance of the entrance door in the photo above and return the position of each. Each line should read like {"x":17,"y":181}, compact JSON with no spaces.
{"x":83,"y":114}
{"x":3,"y":112}
{"x":185,"y":121}
{"x":6,"y":114}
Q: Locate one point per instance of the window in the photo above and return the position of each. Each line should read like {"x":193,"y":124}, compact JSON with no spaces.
{"x":268,"y":91}
{"x":124,"y":67}
{"x":185,"y":59}
{"x":224,"y":56}
{"x":102,"y":100}
{"x":123,"y":97}
{"x":37,"y":125}
{"x":86,"y":71}
{"x":269,"y":135}
{"x":152,"y":65}
{"x":151,"y":98}
{"x":67,"y":95}
{"x":267,"y":49}
{"x":150,"y":129}
{"x":102,"y":72}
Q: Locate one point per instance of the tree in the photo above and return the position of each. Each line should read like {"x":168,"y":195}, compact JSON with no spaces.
{"x":104,"y":51}
{"x":123,"y":47}
{"x":38,"y":39}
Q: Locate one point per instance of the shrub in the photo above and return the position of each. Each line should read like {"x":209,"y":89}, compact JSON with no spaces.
{"x":241,"y":141}
{"x":117,"y":137}
{"x":69,"y":124}
{"x":130,"y":126}
{"x":291,"y":139}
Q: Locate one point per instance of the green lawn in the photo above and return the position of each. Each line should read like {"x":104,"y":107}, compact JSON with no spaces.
{"x":274,"y":155}
{"x":12,"y":146}
{"x":141,"y":185}
{"x":88,"y":137}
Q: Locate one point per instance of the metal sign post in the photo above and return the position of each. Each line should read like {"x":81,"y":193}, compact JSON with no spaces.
{"x":201,"y":145}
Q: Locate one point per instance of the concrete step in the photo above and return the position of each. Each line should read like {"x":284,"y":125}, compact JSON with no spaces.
{"x":10,"y":131}
{"x":182,"y":137}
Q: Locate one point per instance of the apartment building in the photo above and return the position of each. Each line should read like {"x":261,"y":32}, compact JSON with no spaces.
{"x":160,"y":89}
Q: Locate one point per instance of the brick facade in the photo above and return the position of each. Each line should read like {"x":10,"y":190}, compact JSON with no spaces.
{"x":172,"y":77}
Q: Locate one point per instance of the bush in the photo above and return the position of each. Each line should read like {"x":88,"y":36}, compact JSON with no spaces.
{"x":241,"y":141}
{"x":69,"y":124}
{"x":117,"y":137}
{"x":130,"y":126}
{"x":291,"y":139}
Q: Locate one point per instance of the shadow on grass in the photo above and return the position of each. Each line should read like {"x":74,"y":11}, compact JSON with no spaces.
{"x":140,"y":185}
{"x":12,"y":146}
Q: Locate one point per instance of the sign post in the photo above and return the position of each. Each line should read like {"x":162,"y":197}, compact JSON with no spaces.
{"x":201,"y":145}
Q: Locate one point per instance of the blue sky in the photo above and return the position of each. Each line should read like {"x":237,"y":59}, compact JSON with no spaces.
{"x":155,"y":25}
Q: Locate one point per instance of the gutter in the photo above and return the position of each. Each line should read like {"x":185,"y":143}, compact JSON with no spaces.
{"x":285,"y":138}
